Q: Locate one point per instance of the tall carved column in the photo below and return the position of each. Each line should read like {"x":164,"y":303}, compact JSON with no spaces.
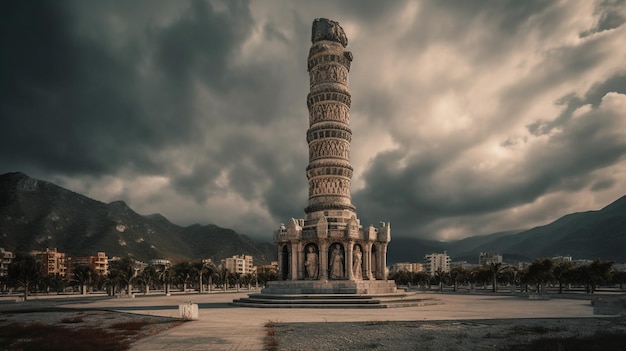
{"x":329,"y":135}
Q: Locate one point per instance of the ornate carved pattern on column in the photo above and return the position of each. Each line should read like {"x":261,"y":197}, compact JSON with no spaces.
{"x":329,"y":112}
{"x":329,"y":148}
{"x":328,"y":73}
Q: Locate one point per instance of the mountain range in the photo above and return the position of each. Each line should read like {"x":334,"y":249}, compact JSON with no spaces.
{"x":35,"y":215}
{"x":583,"y":235}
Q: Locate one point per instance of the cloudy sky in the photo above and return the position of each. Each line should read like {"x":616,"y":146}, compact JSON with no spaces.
{"x":468,"y":117}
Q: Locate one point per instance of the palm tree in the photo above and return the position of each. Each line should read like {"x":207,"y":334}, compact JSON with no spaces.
{"x":458,"y":275}
{"x":85,"y":276}
{"x":24,"y":271}
{"x":182,"y":273}
{"x":494,"y":267}
{"x":123,"y":271}
{"x":440,"y":277}
{"x":148,"y":276}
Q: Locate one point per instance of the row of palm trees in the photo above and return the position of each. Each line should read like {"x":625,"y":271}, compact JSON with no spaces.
{"x":126,"y":275}
{"x":535,"y":277}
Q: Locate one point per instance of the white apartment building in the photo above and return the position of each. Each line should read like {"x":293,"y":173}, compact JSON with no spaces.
{"x":437,"y":262}
{"x":242,"y":264}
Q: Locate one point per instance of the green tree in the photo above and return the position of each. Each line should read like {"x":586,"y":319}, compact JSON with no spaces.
{"x":421,"y":278}
{"x":563,"y":273}
{"x":400,"y":277}
{"x":24,"y":271}
{"x":618,"y":277}
{"x":540,"y":272}
{"x":594,"y":274}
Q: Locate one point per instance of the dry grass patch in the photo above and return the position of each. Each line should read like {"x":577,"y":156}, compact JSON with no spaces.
{"x":271,"y":340}
{"x":90,"y":331}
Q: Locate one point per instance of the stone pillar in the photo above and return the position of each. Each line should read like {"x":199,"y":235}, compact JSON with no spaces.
{"x":383,"y":261}
{"x":348,"y":260}
{"x":368,"y":261}
{"x":294,"y":261}
{"x":300,"y":261}
{"x":323,"y":258}
{"x":281,"y":259}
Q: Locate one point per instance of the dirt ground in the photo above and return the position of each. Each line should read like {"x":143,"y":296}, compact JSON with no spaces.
{"x":71,"y":329}
{"x":507,"y":334}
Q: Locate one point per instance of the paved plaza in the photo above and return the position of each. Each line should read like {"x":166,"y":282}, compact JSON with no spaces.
{"x":221,"y":326}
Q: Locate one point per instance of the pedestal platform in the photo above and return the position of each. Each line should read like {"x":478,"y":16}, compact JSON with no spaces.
{"x":333,"y":294}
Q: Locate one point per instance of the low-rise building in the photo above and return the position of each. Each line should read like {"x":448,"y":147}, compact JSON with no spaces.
{"x":99,"y":262}
{"x":242,"y":264}
{"x":52,"y":262}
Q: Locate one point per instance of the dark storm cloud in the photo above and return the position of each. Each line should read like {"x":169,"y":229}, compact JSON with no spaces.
{"x":59,"y":92}
{"x":462,"y":112}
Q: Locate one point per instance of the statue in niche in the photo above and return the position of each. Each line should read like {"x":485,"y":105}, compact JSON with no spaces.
{"x":336,"y":262}
{"x":311,"y":263}
{"x":356,"y":262}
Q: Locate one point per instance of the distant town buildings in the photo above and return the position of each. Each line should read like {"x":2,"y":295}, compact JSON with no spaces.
{"x":159,"y":263}
{"x":437,"y":262}
{"x":488,"y":258}
{"x":99,"y":262}
{"x":561,"y":259}
{"x":406,"y":267}
{"x":268,"y":269}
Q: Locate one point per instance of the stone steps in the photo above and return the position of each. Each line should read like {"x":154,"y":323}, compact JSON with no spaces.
{"x":334,"y":301}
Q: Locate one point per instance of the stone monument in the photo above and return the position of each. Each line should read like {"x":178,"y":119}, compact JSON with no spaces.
{"x":327,"y":259}
{"x":329,"y":245}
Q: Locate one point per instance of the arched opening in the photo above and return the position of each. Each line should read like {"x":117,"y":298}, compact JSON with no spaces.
{"x":374,"y":261}
{"x":284,"y":267}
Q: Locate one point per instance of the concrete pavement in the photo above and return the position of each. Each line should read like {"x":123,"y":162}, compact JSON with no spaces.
{"x":221,"y":326}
